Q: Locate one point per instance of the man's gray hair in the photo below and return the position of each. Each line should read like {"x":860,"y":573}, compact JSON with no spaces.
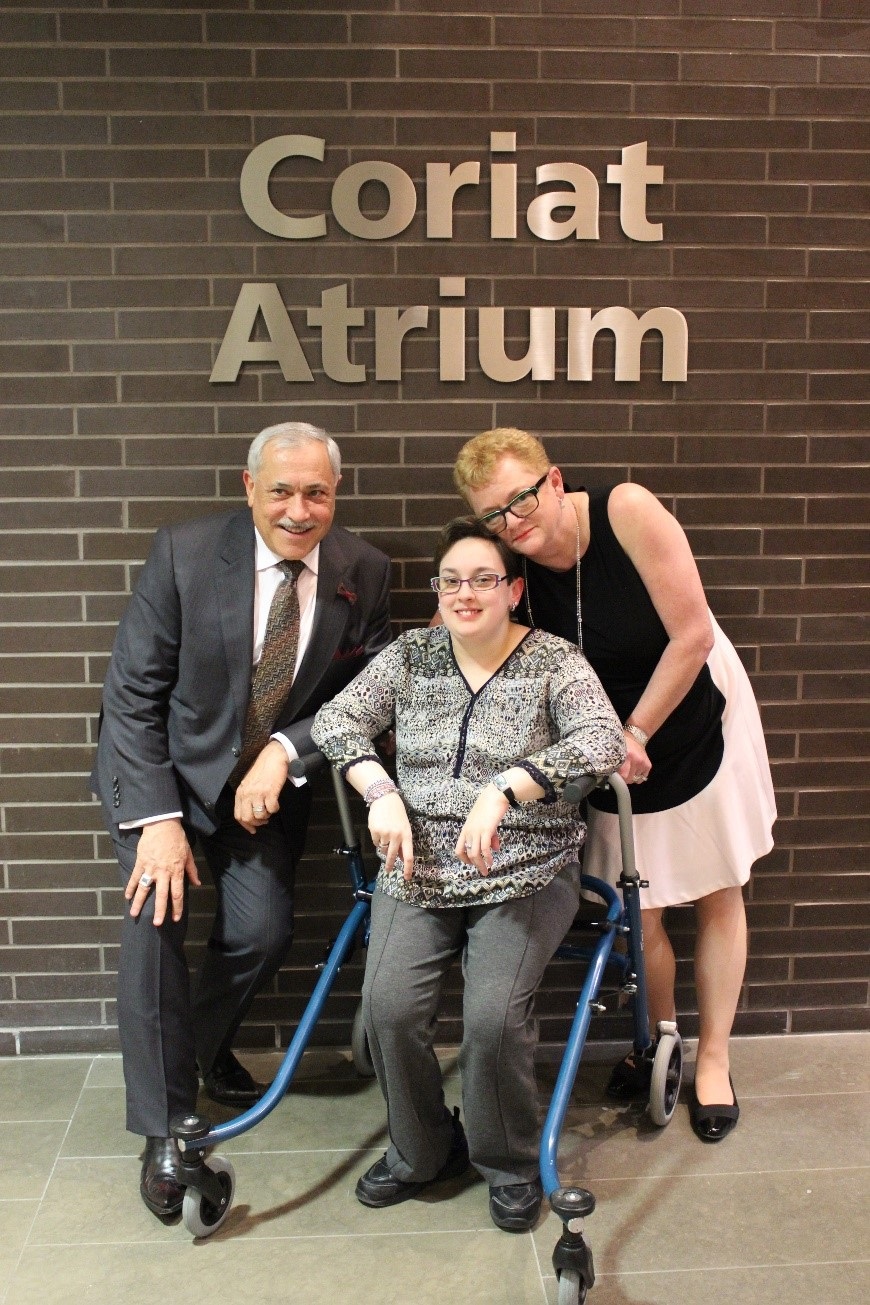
{"x":292,"y":435}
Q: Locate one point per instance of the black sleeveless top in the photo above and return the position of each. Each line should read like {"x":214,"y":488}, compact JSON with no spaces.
{"x":623,"y":639}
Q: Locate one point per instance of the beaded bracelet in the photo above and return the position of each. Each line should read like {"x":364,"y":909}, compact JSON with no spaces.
{"x":378,"y":789}
{"x":636,"y":732}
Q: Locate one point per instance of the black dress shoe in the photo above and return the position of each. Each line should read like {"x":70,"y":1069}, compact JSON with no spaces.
{"x":159,"y":1186}
{"x":630,"y":1080}
{"x":515,"y":1208}
{"x":712,"y":1123}
{"x":378,"y":1187}
{"x":230,"y":1084}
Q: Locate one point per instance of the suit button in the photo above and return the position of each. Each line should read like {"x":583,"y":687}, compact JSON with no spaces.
{"x":237,"y":752}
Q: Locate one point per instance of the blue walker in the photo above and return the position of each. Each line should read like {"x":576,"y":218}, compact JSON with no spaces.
{"x":209,"y":1177}
{"x":572,"y":1257}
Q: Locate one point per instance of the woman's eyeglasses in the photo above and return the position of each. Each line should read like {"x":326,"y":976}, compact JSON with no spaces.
{"x":480,"y":583}
{"x":521,"y":505}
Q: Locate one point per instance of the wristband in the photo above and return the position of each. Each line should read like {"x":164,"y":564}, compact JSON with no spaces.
{"x":637,"y":733}
{"x":503,"y":786}
{"x":378,"y":789}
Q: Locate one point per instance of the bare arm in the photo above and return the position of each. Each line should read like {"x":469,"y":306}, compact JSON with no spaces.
{"x":657,"y":545}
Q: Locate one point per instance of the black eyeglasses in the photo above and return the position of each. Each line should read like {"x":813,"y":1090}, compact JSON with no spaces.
{"x":480,"y":583}
{"x":521,"y":505}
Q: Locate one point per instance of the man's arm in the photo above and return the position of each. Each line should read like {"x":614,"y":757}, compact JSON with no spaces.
{"x":141,"y":675}
{"x":257,"y":796}
{"x":139,"y":681}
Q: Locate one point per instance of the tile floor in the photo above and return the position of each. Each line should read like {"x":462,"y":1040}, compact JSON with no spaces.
{"x":778,"y":1212}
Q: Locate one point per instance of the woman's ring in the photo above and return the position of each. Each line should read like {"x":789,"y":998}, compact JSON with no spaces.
{"x":468,"y":847}
{"x":259,"y":811}
{"x":145,"y":881}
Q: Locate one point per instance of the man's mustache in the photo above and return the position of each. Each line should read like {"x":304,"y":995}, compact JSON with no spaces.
{"x":297,"y":527}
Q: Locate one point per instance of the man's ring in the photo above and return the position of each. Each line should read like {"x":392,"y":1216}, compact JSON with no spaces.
{"x":145,"y":881}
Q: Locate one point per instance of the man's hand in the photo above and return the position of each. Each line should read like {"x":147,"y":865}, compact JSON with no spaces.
{"x":164,"y":858}
{"x":258,"y":793}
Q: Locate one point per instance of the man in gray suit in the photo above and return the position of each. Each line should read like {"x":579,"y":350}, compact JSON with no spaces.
{"x":240,"y":627}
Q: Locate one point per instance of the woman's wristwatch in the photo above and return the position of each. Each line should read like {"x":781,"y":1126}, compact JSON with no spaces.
{"x":637,"y":733}
{"x":502,"y":783}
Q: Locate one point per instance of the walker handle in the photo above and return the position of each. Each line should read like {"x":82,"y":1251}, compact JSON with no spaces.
{"x":305,"y":767}
{"x":578,"y":789}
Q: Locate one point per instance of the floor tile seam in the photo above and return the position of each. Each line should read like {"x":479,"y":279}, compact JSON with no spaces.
{"x":598,"y":1180}
{"x":765,"y":1266}
{"x":801,"y":1096}
{"x":5,"y":1123}
{"x":252,"y":1242}
{"x":236,"y":1155}
{"x":540,"y":1269}
{"x":43,"y":1059}
{"x":26,"y":1242}
{"x":36,"y":1202}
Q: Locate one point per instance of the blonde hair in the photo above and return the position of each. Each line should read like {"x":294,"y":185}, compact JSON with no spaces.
{"x":479,"y":457}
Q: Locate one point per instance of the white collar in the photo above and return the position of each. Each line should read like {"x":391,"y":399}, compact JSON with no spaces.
{"x":266,"y":558}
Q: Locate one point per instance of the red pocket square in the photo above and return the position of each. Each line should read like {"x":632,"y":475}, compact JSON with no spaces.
{"x":344,"y":654}
{"x":344,"y":592}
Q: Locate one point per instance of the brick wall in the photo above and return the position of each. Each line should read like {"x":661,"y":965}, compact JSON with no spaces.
{"x":124,"y":245}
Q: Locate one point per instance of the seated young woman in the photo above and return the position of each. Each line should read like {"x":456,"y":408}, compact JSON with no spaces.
{"x":478,"y":854}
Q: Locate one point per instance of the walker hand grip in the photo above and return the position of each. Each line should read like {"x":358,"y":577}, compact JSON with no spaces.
{"x":303,"y":767}
{"x":578,"y":789}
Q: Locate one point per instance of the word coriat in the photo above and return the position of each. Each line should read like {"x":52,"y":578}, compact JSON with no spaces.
{"x":553,"y":215}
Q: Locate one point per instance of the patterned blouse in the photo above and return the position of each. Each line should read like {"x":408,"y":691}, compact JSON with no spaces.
{"x":543,"y":709}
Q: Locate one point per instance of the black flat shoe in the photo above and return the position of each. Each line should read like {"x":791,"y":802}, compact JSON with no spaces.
{"x":515,"y":1208}
{"x":159,"y":1186}
{"x":630,"y":1080}
{"x":230,"y":1084}
{"x":712,"y":1123}
{"x":378,"y":1187}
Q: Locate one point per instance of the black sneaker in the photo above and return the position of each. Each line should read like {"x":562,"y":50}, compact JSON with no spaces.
{"x":378,"y":1187}
{"x":630,"y":1080}
{"x":515,"y":1208}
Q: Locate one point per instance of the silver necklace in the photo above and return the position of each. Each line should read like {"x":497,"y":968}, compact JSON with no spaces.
{"x":579,"y":601}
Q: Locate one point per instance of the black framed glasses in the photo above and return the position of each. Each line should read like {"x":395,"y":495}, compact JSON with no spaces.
{"x":480,"y":583}
{"x":521,"y":505}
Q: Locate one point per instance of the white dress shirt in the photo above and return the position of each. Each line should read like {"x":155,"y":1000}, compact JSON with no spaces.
{"x":267,"y":577}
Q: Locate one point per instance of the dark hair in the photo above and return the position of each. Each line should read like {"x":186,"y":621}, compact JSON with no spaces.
{"x":470,"y":528}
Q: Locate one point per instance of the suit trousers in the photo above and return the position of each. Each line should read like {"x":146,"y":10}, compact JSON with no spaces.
{"x":505,"y":949}
{"x":164,"y":1031}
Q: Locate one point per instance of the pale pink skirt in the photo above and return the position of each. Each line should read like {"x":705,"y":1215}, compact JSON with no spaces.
{"x":711,"y":841}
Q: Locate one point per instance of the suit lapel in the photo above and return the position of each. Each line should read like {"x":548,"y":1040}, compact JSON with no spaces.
{"x":331,"y":614}
{"x":235,"y":587}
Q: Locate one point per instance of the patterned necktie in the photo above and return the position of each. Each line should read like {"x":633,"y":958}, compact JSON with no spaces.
{"x":273,"y":675}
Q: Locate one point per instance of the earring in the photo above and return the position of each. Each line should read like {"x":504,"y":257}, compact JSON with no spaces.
{"x":513,"y":607}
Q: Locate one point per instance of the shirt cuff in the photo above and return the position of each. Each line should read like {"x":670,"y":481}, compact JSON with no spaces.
{"x":149,"y":820}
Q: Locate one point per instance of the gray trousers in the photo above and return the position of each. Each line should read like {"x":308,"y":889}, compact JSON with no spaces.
{"x":164,"y":1032}
{"x":505,"y":949}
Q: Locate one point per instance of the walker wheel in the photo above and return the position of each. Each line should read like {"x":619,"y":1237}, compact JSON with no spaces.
{"x":201,"y":1218}
{"x":667,"y":1074}
{"x":572,"y":1290}
{"x":359,"y":1046}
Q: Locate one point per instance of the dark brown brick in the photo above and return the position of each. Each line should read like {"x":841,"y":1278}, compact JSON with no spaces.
{"x":123,"y":263}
